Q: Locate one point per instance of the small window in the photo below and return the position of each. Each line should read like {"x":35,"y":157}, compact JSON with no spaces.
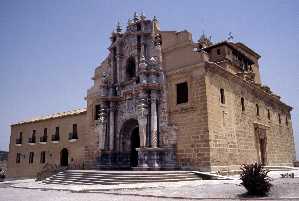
{"x":42,"y":157}
{"x":287,"y":121}
{"x":138,"y":26}
{"x":45,"y":136}
{"x":57,"y":130}
{"x":269,"y":115}
{"x":131,"y":68}
{"x":182,"y":93}
{"x":33,"y":136}
{"x":138,"y":41}
{"x":97,"y":111}
{"x":75,"y":132}
{"x":20,"y":139}
{"x":257,"y":110}
{"x":45,"y":133}
{"x":218,"y":52}
{"x":31,"y":157}
{"x":18,"y":158}
{"x":242,"y":104}
{"x":279,"y":119}
{"x":222,"y":96}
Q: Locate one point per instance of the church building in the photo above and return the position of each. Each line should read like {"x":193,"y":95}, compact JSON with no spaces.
{"x":161,"y":101}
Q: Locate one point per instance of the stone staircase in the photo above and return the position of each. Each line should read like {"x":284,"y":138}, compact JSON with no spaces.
{"x":92,"y":177}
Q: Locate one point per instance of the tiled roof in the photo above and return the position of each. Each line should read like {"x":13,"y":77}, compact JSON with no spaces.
{"x":53,"y":116}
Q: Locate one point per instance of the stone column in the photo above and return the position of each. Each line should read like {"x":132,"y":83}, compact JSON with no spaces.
{"x":154,"y":119}
{"x":101,"y":125}
{"x":111,"y":126}
{"x":142,"y":118}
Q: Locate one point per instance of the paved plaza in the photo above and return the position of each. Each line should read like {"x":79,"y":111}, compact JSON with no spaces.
{"x":29,"y":190}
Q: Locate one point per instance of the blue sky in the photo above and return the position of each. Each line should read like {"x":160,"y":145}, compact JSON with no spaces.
{"x":49,"y":49}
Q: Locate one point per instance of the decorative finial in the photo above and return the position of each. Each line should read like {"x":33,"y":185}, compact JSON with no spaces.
{"x":230,"y":37}
{"x":135,"y":16}
{"x":129,"y":21}
{"x":118,"y":27}
{"x":155,"y":19}
{"x":142,"y":16}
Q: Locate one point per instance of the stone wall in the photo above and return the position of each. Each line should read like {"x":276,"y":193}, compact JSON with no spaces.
{"x":233,"y":140}
{"x":75,"y":147}
{"x":190,"y":119}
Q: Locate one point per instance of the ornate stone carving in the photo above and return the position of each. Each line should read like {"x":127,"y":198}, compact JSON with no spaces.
{"x":158,"y":40}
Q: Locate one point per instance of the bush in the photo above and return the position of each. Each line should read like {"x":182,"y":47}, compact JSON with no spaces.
{"x":2,"y":175}
{"x":255,"y":179}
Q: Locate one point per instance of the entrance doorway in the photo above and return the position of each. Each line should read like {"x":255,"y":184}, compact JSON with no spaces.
{"x":263,"y":150}
{"x":135,"y":143}
{"x":261,"y":144}
{"x":64,"y":157}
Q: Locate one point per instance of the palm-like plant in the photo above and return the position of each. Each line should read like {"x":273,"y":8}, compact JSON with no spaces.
{"x":255,"y":179}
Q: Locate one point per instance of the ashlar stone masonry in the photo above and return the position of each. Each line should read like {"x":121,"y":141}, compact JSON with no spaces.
{"x":161,"y":101}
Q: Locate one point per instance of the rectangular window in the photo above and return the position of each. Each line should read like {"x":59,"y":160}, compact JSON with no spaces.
{"x":242,"y":104}
{"x":182,"y":93}
{"x":42,"y":157}
{"x":97,"y":112}
{"x":57,"y":130}
{"x":75,"y":132}
{"x":18,"y":158}
{"x":56,"y":137}
{"x":45,"y":136}
{"x":31,"y":157}
{"x":33,"y":136}
{"x":20,"y":139}
{"x":269,"y":115}
{"x":222,"y":96}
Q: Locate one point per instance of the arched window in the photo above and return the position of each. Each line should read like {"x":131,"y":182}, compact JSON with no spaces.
{"x":131,"y":68}
{"x":257,"y":110}
{"x":222,"y":97}
{"x":242,"y":104}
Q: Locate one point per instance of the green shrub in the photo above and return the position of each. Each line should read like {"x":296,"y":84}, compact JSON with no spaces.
{"x":255,"y":179}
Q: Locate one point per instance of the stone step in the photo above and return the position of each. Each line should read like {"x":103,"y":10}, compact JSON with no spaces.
{"x":91,"y":177}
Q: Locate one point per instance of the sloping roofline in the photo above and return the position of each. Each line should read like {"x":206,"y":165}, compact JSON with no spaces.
{"x":52,"y":116}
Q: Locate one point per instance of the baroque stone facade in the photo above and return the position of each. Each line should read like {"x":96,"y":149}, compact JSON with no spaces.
{"x":162,"y":101}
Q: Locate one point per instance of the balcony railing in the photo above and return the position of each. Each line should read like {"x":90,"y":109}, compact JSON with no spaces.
{"x":73,"y":136}
{"x":19,"y":141}
{"x":55,"y":137}
{"x":32,"y":140}
{"x":43,"y":138}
